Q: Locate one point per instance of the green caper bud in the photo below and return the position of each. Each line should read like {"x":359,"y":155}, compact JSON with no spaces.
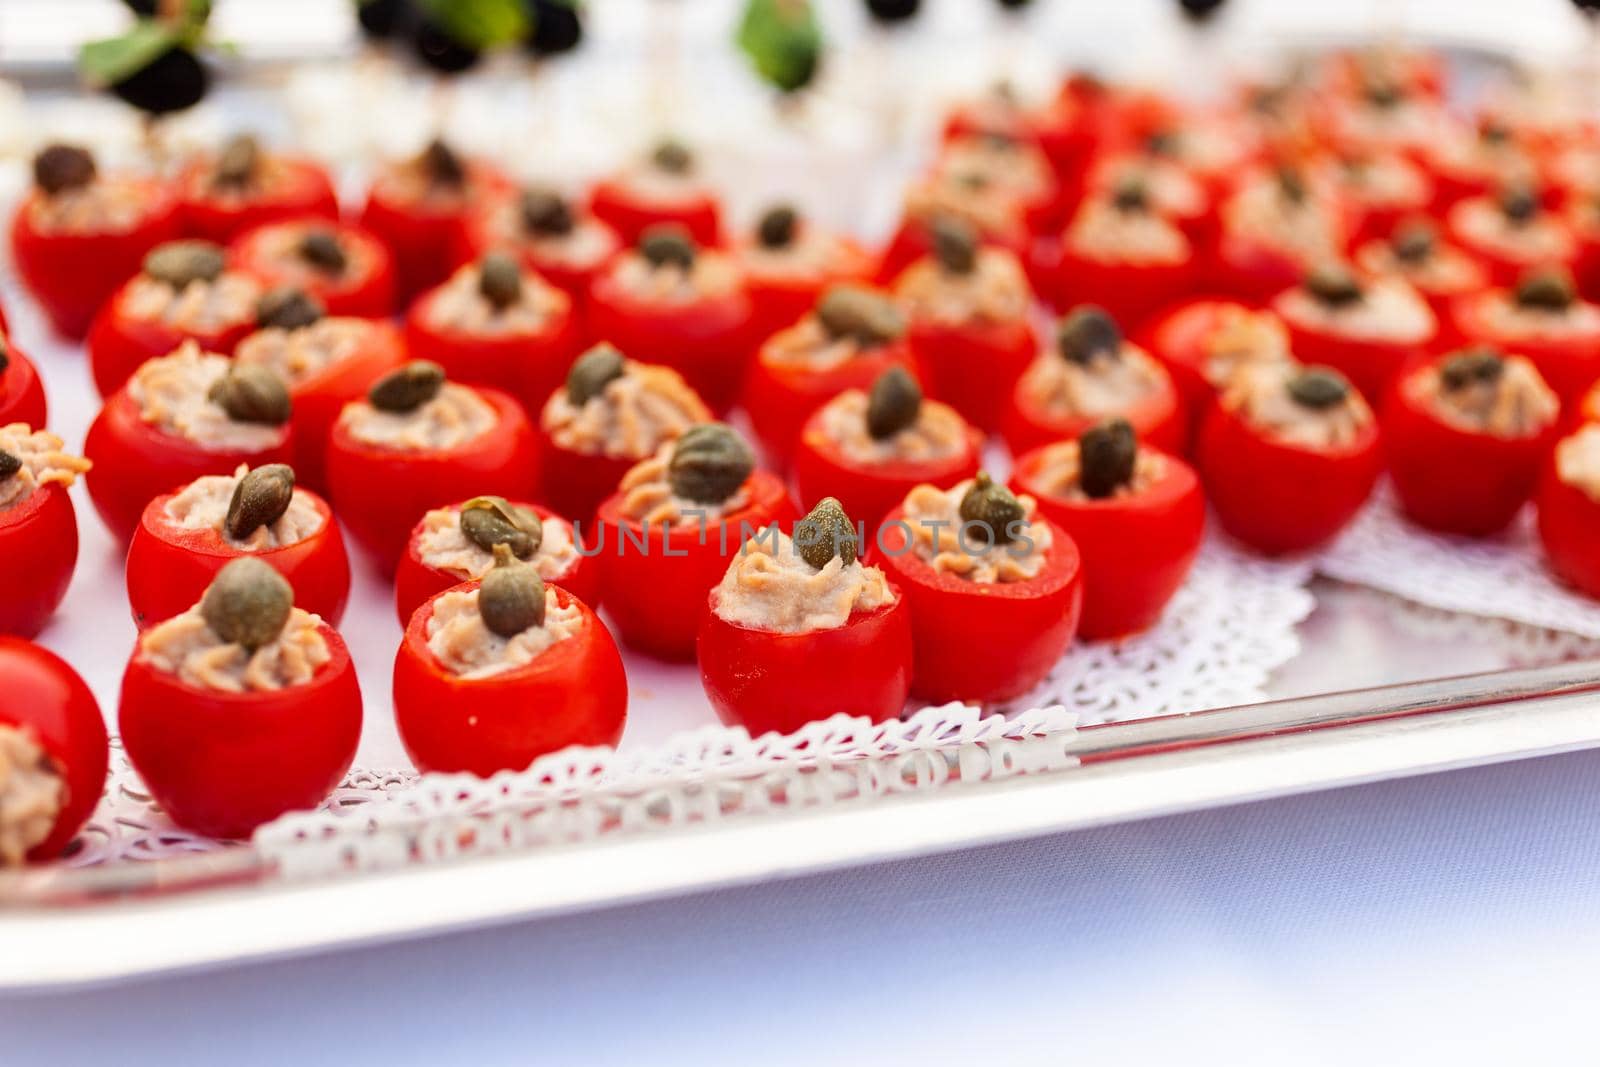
{"x":1333,"y":285}
{"x":955,"y":245}
{"x":1519,"y":204}
{"x":709,"y":463}
{"x":252,"y":393}
{"x":180,"y":262}
{"x":59,"y":167}
{"x":868,"y":318}
{"x":407,"y":387}
{"x":287,"y":308}
{"x":1414,"y":242}
{"x":9,"y":464}
{"x":260,"y":499}
{"x":247,"y":603}
{"x":511,"y":595}
{"x":238,"y":161}
{"x":1291,"y":185}
{"x":440,"y":164}
{"x":992,"y":505}
{"x":777,"y":226}
{"x":673,"y":157}
{"x":1546,"y":290}
{"x":499,"y":280}
{"x":321,"y":249}
{"x":667,"y":244}
{"x":592,"y":372}
{"x":1163,"y":143}
{"x":1089,"y":333}
{"x":1473,"y":366}
{"x":487,"y":521}
{"x":894,"y":403}
{"x":1107,"y":452}
{"x":1131,"y":195}
{"x":824,"y":533}
{"x":545,"y":212}
{"x":1318,"y":388}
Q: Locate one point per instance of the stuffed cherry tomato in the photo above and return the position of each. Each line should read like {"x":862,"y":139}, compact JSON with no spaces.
{"x":178,"y":417}
{"x":1173,"y":192}
{"x":665,"y":536}
{"x":1512,"y":234}
{"x":1136,"y":514}
{"x":1468,"y":163}
{"x":244,"y":186}
{"x":1205,"y":343}
{"x":187,"y":536}
{"x":455,"y":544}
{"x":1063,"y":127}
{"x":242,"y":708}
{"x":799,"y":630}
{"x":869,"y":449}
{"x":1378,"y":190}
{"x":994,"y":589}
{"x":789,"y":263}
{"x":969,"y":308}
{"x":1569,"y":510}
{"x":1010,"y":164}
{"x":347,"y":270}
{"x":1121,"y":254}
{"x":183,"y":292}
{"x":77,"y":235}
{"x":992,"y":210}
{"x":1543,"y":319}
{"x":53,"y":753}
{"x":38,"y":527}
{"x":418,"y":442}
{"x":664,"y":188}
{"x":1441,"y":273}
{"x":670,"y":302}
{"x":1276,"y":227}
{"x":850,"y":338}
{"x":1090,"y":374}
{"x":1369,"y":330}
{"x":1288,"y":456}
{"x":21,"y":391}
{"x":493,"y":674}
{"x":560,"y":243}
{"x":493,"y":324}
{"x":1466,"y":438}
{"x":610,"y":414}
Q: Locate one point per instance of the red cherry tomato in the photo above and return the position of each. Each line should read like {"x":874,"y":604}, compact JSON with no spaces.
{"x":426,"y":236}
{"x":654,"y":582}
{"x":38,"y":551}
{"x":1181,"y":341}
{"x":21,"y":390}
{"x":574,"y":483}
{"x":776,"y":682}
{"x":135,"y":461}
{"x":982,"y":641}
{"x":1137,"y":549}
{"x":364,"y":289}
{"x":782,"y":292}
{"x":1371,"y":364}
{"x":1568,"y":358}
{"x":1175,"y":192}
{"x":169,"y":567}
{"x":72,"y":274}
{"x":416,"y":581}
{"x":573,"y":693}
{"x":1157,"y":417}
{"x":1441,"y":290}
{"x":41,"y":695}
{"x":380,"y":493}
{"x":1507,"y":264}
{"x":1589,"y":409}
{"x":974,"y":366}
{"x":616,"y":203}
{"x":119,"y":343}
{"x":1130,"y":291}
{"x":221,"y":763}
{"x":298,"y":187}
{"x":1569,"y":527}
{"x":570,"y":263}
{"x":913,"y":240}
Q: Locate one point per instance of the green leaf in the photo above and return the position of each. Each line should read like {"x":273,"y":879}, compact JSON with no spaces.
{"x":479,"y":23}
{"x":783,"y":41}
{"x":108,"y":61}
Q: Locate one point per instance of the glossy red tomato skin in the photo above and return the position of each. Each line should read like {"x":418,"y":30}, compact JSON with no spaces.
{"x":1569,"y":364}
{"x":73,"y":274}
{"x":1589,"y":408}
{"x":982,"y":642}
{"x":119,"y":343}
{"x":1280,"y":498}
{"x":170,"y":567}
{"x":1180,"y":340}
{"x":868,"y":493}
{"x":574,"y":483}
{"x":1372,"y":366}
{"x":135,"y":462}
{"x":44,"y":696}
{"x":1454,"y":480}
{"x":1569,"y":529}
{"x":779,"y":299}
{"x":1130,"y":292}
{"x":776,"y":683}
{"x":222,"y":764}
{"x":574,"y":693}
{"x":629,"y":216}
{"x":38,"y":551}
{"x":416,"y":582}
{"x":426,"y":240}
{"x":371,"y":294}
{"x":655,"y":594}
{"x":974,"y":366}
{"x":22,"y":396}
{"x":380,"y":494}
{"x":1137,"y":550}
{"x":307,"y":190}
{"x":1158,"y":418}
{"x":779,"y":399}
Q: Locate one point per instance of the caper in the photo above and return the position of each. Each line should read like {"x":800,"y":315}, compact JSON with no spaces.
{"x":1161,"y":143}
{"x":247,"y":603}
{"x":546,"y":212}
{"x":955,"y":245}
{"x":868,"y":318}
{"x":776,"y":228}
{"x":9,"y":464}
{"x":709,"y":464}
{"x":287,"y":308}
{"x":1414,"y":242}
{"x":824,"y":533}
{"x":1383,"y":94}
{"x":992,"y":505}
{"x":1472,"y":366}
{"x":1318,"y":388}
{"x":592,"y":372}
{"x":238,"y":161}
{"x":180,"y":262}
{"x":252,"y":393}
{"x":322,"y":250}
{"x":1546,"y":290}
{"x":511,"y":595}
{"x":59,"y":167}
{"x":499,"y":280}
{"x":1291,"y":185}
{"x":893,"y":404}
{"x":1089,"y":333}
{"x":1494,"y":133}
{"x":1519,"y":205}
{"x":487,"y":521}
{"x":1131,"y":195}
{"x":1333,"y":285}
{"x":260,"y":499}
{"x":673,"y":157}
{"x":1107,"y":452}
{"x":439,"y":162}
{"x":407,"y":387}
{"x":667,"y":244}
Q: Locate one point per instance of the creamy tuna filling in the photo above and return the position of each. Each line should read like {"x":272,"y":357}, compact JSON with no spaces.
{"x":1538,"y":239}
{"x":465,"y":647}
{"x":105,"y":205}
{"x":663,"y":188}
{"x":1009,"y":165}
{"x":199,"y":307}
{"x":812,"y":253}
{"x":940,"y":537}
{"x":1244,"y":339}
{"x":631,"y":417}
{"x":807,"y":344}
{"x":937,"y":434}
{"x":269,"y":179}
{"x":647,"y":497}
{"x":1516,"y":404}
{"x":1060,"y":470}
{"x":461,"y":306}
{"x":996,"y":290}
{"x":1507,"y":318}
{"x":32,"y":794}
{"x":1170,"y":188}
{"x":43,"y":463}
{"x":203,"y":505}
{"x":1384,"y":182}
{"x":1104,"y":232}
{"x":1446,"y":270}
{"x":170,"y":392}
{"x":990,"y":208}
{"x":305,"y":352}
{"x":1261,"y":398}
{"x":1386,"y":311}
{"x":282,"y":246}
{"x":712,"y":274}
{"x":188,"y":648}
{"x":451,"y":419}
{"x":1302,"y":230}
{"x":409,"y":183}
{"x":769,"y":587}
{"x":444,"y":547}
{"x":1578,"y":461}
{"x":585,"y":245}
{"x":1105,"y":386}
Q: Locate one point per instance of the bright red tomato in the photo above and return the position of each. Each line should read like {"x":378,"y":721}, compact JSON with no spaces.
{"x":1181,"y":340}
{"x":1569,"y":527}
{"x":426,"y":236}
{"x":217,"y":213}
{"x":782,"y":291}
{"x":1372,"y":364}
{"x":119,"y":343}
{"x":364,"y":288}
{"x":1130,"y":291}
{"x":1566,"y":353}
{"x":21,"y":390}
{"x":38,"y":551}
{"x":974,"y":366}
{"x":1158,"y":417}
{"x":620,"y":206}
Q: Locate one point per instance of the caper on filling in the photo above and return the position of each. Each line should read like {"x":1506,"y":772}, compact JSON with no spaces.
{"x":300,"y":354}
{"x":31,"y":459}
{"x":198,"y":306}
{"x":991,"y":208}
{"x":937,"y":433}
{"x":970,"y":548}
{"x":1104,"y":385}
{"x":1302,"y":229}
{"x":1578,"y":461}
{"x":664,"y":186}
{"x":1484,"y":393}
{"x":1538,"y":239}
{"x":811,"y":251}
{"x":1243,"y":339}
{"x":456,"y":415}
{"x":446,"y":547}
{"x":630,"y":417}
{"x":291,"y":247}
{"x":462,"y":305}
{"x":649,"y":499}
{"x":1265,"y":398}
{"x":174,"y":394}
{"x":770,"y":586}
{"x":708,"y":274}
{"x":467,"y":648}
{"x":204,"y":503}
{"x":1386,"y":309}
{"x":994,"y":291}
{"x":188,"y":647}
{"x":1106,"y":231}
{"x":32,"y":793}
{"x":1060,"y":473}
{"x":1004,"y":163}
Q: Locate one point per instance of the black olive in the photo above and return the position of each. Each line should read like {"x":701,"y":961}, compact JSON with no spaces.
{"x":1318,"y":388}
{"x":59,"y":167}
{"x":1107,"y":452}
{"x":380,"y":19}
{"x":893,"y":10}
{"x":557,"y":27}
{"x":1088,"y":333}
{"x":173,"y":81}
{"x":440,"y":51}
{"x":777,"y":226}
